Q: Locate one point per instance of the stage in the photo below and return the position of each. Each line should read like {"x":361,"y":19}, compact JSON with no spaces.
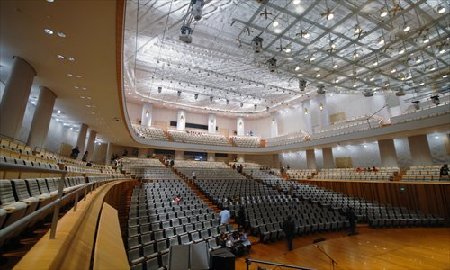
{"x":408,"y":248}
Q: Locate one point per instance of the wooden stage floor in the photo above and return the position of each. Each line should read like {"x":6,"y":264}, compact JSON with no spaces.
{"x":408,"y":248}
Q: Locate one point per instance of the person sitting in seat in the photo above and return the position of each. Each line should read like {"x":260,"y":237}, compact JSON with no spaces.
{"x":443,"y":172}
{"x":177,"y":199}
{"x":244,"y":241}
{"x":75,"y":152}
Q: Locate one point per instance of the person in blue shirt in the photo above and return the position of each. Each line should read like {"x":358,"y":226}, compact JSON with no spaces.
{"x":224,"y":216}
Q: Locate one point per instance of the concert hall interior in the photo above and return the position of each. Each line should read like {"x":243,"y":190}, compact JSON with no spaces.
{"x":224,"y":134}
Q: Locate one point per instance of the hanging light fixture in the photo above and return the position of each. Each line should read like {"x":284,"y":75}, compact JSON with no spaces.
{"x":440,"y":9}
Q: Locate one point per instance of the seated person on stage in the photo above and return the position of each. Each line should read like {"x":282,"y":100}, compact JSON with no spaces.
{"x":443,"y":172}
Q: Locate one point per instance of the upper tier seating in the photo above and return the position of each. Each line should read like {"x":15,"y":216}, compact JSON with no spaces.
{"x":247,"y":141}
{"x":199,"y":138}
{"x":383,"y":174}
{"x":246,"y":165}
{"x":427,"y":109}
{"x":301,"y":174}
{"x":150,"y":133}
{"x":199,"y":164}
{"x":422,"y":173}
{"x":288,"y":139}
{"x":348,"y":126}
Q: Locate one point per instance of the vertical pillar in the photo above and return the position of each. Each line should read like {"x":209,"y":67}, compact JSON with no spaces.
{"x":306,"y":106}
{"x":108,"y":154}
{"x":240,"y":126}
{"x":211,"y":156}
{"x":41,"y":118}
{"x":212,"y":123}
{"x":328,"y":159}
{"x":323,"y":110}
{"x":311,"y":159}
{"x":90,"y":145}
{"x":179,"y":155}
{"x":420,"y":150}
{"x":146,"y":115}
{"x":15,"y":97}
{"x":81,"y":140}
{"x":142,"y":152}
{"x":181,"y":120}
{"x":388,"y":154}
{"x":274,"y":127}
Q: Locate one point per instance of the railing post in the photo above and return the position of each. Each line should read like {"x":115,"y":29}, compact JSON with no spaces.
{"x":76,"y":201}
{"x":57,"y":205}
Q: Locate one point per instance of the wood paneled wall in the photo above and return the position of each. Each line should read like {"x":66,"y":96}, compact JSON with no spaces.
{"x":427,"y":197}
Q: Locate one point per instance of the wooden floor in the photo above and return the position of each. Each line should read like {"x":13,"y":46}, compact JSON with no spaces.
{"x":406,"y":248}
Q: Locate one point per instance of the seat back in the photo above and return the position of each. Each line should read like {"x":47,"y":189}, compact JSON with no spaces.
{"x":199,"y":256}
{"x":6,"y":192}
{"x":21,"y":189}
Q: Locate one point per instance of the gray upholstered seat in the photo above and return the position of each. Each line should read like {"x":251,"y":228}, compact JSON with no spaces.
{"x":24,"y":196}
{"x":35,"y":191}
{"x":14,"y":210}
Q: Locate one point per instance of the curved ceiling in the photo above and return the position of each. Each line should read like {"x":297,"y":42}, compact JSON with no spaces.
{"x":72,"y":47}
{"x":346,"y":46}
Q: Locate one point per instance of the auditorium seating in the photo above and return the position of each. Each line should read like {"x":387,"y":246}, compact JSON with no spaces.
{"x":288,"y":139}
{"x":247,"y":165}
{"x":383,"y":174}
{"x":150,"y":133}
{"x":199,"y":164}
{"x":246,"y":141}
{"x":426,"y":110}
{"x":348,"y":126}
{"x":297,"y":174}
{"x":422,"y":173}
{"x":156,"y":223}
{"x":199,"y":138}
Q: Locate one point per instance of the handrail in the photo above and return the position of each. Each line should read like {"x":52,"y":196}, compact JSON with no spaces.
{"x":249,"y":261}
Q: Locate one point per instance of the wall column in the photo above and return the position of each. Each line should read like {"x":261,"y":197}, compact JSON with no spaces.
{"x":179,"y":155}
{"x":274,"y":127}
{"x":146,"y":115}
{"x":212,"y":123}
{"x":420,"y":150}
{"x":81,"y":140}
{"x":328,"y":159}
{"x":306,"y":106}
{"x":323,"y":110}
{"x":90,"y":144}
{"x":311,"y":159}
{"x":211,"y":156}
{"x":15,"y":97}
{"x":240,"y":126}
{"x":41,"y":118}
{"x":108,"y":153}
{"x":388,"y":154}
{"x":181,"y":120}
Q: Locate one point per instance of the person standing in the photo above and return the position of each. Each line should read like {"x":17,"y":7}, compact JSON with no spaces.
{"x":289,"y":231}
{"x":241,"y":217}
{"x":84,"y":158}
{"x":75,"y":152}
{"x":224,"y":216}
{"x":351,"y":217}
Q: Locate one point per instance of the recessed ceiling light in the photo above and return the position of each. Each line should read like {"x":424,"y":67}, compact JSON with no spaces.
{"x":48,"y":31}
{"x":84,"y":88}
{"x":384,"y":13}
{"x":393,"y":70}
{"x":297,"y":68}
{"x":296,"y":2}
{"x":275,"y":23}
{"x":330,"y":16}
{"x":79,"y":76}
{"x":76,"y":87}
{"x":406,"y":28}
{"x":61,"y":35}
{"x":60,"y":56}
{"x":440,"y":9}
{"x":59,"y":111}
{"x":318,"y":75}
{"x":71,"y":59}
{"x":50,"y":1}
